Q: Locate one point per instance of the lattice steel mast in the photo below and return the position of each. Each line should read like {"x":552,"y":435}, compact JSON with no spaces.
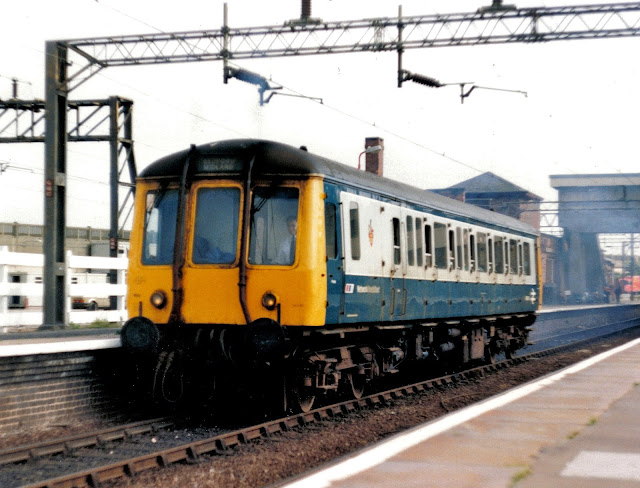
{"x":486,"y":26}
{"x":107,"y":120}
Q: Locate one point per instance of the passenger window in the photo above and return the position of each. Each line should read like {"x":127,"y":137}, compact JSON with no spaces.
{"x":452,"y":250}
{"x":527,"y":259}
{"x":472,"y":251}
{"x":482,"y":252}
{"x":396,"y":241}
{"x":498,"y":254}
{"x":440,"y":237}
{"x":410,"y":241}
{"x":330,"y":230}
{"x":418,"y":242}
{"x":520,"y":258}
{"x":490,"y":264}
{"x":354,"y":226}
{"x":465,"y":250}
{"x":459,"y":248}
{"x":427,"y":246}
{"x":506,"y":256}
{"x":513,"y":256}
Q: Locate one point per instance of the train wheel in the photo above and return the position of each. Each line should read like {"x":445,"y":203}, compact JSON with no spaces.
{"x":303,"y":393}
{"x":357,"y":383}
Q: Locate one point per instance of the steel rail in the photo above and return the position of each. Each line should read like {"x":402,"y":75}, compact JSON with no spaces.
{"x":221,"y":444}
{"x":67,"y":444}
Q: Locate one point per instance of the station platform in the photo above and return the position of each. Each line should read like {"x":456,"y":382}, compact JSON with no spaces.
{"x":54,"y":342}
{"x":23,"y":343}
{"x":579,"y":427}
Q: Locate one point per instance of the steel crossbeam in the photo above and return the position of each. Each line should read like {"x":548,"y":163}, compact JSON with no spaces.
{"x":380,"y":34}
{"x":23,"y":120}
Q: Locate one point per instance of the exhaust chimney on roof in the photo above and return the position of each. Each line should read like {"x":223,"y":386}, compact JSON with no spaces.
{"x":374,"y":154}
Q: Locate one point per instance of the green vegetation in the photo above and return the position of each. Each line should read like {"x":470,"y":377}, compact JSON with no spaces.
{"x":573,"y":434}
{"x":96,"y":324}
{"x":520,"y":475}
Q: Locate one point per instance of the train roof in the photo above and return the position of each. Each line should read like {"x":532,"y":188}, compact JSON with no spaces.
{"x":231,"y":157}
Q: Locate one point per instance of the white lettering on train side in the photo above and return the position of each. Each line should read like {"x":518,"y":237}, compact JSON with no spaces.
{"x":367,"y":289}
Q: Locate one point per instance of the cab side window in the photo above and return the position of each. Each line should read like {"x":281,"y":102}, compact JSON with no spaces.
{"x":330,"y":230}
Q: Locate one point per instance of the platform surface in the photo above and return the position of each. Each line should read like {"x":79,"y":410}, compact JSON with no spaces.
{"x":579,"y":427}
{"x":54,"y":342}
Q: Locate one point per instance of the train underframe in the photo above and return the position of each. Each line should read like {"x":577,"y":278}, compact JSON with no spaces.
{"x":290,"y":368}
{"x":346,"y":360}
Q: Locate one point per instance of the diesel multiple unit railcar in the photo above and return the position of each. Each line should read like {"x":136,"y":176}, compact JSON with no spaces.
{"x":251,"y":256}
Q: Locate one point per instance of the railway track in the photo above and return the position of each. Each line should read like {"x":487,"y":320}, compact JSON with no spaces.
{"x":128,"y":450}
{"x":67,"y":445}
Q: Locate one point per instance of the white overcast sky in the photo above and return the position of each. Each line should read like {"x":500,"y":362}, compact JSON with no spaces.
{"x":580,"y":115}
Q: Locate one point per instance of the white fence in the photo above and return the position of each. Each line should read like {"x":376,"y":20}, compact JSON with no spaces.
{"x":31,"y":265}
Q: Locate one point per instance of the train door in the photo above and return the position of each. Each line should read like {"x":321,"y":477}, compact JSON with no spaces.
{"x":397,"y":268}
{"x":335,"y":268}
{"x":351,"y":253}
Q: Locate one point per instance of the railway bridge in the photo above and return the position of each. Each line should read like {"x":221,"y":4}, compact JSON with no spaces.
{"x":588,"y":205}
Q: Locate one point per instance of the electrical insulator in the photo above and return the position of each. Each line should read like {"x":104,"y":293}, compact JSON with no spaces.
{"x":306,"y":9}
{"x":423,"y":80}
{"x":248,"y":77}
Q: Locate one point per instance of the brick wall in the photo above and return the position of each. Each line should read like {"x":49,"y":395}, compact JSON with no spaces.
{"x":51,"y":389}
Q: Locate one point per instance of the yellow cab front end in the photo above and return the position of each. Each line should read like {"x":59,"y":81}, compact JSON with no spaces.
{"x":284,"y":253}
